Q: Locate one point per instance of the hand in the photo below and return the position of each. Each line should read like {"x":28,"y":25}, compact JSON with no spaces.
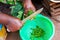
{"x":12,"y":23}
{"x":28,"y":6}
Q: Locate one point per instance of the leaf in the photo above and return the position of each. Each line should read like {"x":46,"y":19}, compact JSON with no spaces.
{"x":20,"y":14}
{"x":1,"y":0}
{"x":15,"y":9}
{"x":29,"y":12}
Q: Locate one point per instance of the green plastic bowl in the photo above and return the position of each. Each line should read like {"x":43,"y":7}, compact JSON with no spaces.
{"x":43,"y":22}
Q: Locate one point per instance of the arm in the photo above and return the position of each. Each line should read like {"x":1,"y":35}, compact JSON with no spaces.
{"x":12,"y":23}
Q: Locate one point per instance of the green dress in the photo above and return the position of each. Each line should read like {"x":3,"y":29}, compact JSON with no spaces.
{"x":9,"y":1}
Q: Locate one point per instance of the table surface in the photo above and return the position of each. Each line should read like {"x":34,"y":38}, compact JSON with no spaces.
{"x":15,"y":36}
{"x":57,"y":30}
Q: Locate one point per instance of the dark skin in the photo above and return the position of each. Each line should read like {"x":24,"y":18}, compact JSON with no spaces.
{"x":12,"y":23}
{"x":28,"y":5}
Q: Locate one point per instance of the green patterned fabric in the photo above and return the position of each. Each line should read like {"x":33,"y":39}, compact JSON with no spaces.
{"x":9,"y":1}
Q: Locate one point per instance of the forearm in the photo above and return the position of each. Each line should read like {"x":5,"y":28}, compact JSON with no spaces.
{"x":4,"y":18}
{"x":12,"y":23}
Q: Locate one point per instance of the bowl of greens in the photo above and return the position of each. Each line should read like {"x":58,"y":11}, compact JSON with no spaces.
{"x":38,"y":28}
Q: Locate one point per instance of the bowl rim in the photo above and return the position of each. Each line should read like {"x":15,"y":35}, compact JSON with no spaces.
{"x":52,"y":26}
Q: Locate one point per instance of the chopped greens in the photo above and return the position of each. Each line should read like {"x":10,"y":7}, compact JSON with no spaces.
{"x":37,"y":32}
{"x":30,"y":12}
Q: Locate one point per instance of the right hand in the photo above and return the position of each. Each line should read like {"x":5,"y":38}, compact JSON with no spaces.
{"x":12,"y":23}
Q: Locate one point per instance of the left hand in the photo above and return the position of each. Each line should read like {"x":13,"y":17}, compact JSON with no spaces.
{"x":28,"y":6}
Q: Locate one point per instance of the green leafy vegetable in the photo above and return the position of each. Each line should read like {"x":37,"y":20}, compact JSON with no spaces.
{"x":12,"y":2}
{"x":17,"y":10}
{"x":30,"y":12}
{"x":20,"y":14}
{"x":1,"y":0}
{"x":37,"y":32}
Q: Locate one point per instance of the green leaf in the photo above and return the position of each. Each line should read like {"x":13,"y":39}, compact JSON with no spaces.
{"x":37,"y":32}
{"x":30,"y":12}
{"x":15,"y":9}
{"x":20,"y":14}
{"x":2,"y":1}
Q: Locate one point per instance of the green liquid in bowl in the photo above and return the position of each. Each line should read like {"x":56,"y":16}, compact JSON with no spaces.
{"x":45,"y":25}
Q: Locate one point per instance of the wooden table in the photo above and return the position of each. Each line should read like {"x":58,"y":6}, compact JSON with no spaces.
{"x":57,"y":30}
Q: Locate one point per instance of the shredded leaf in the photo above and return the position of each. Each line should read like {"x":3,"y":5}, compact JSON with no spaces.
{"x":30,"y":12}
{"x":37,"y":32}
